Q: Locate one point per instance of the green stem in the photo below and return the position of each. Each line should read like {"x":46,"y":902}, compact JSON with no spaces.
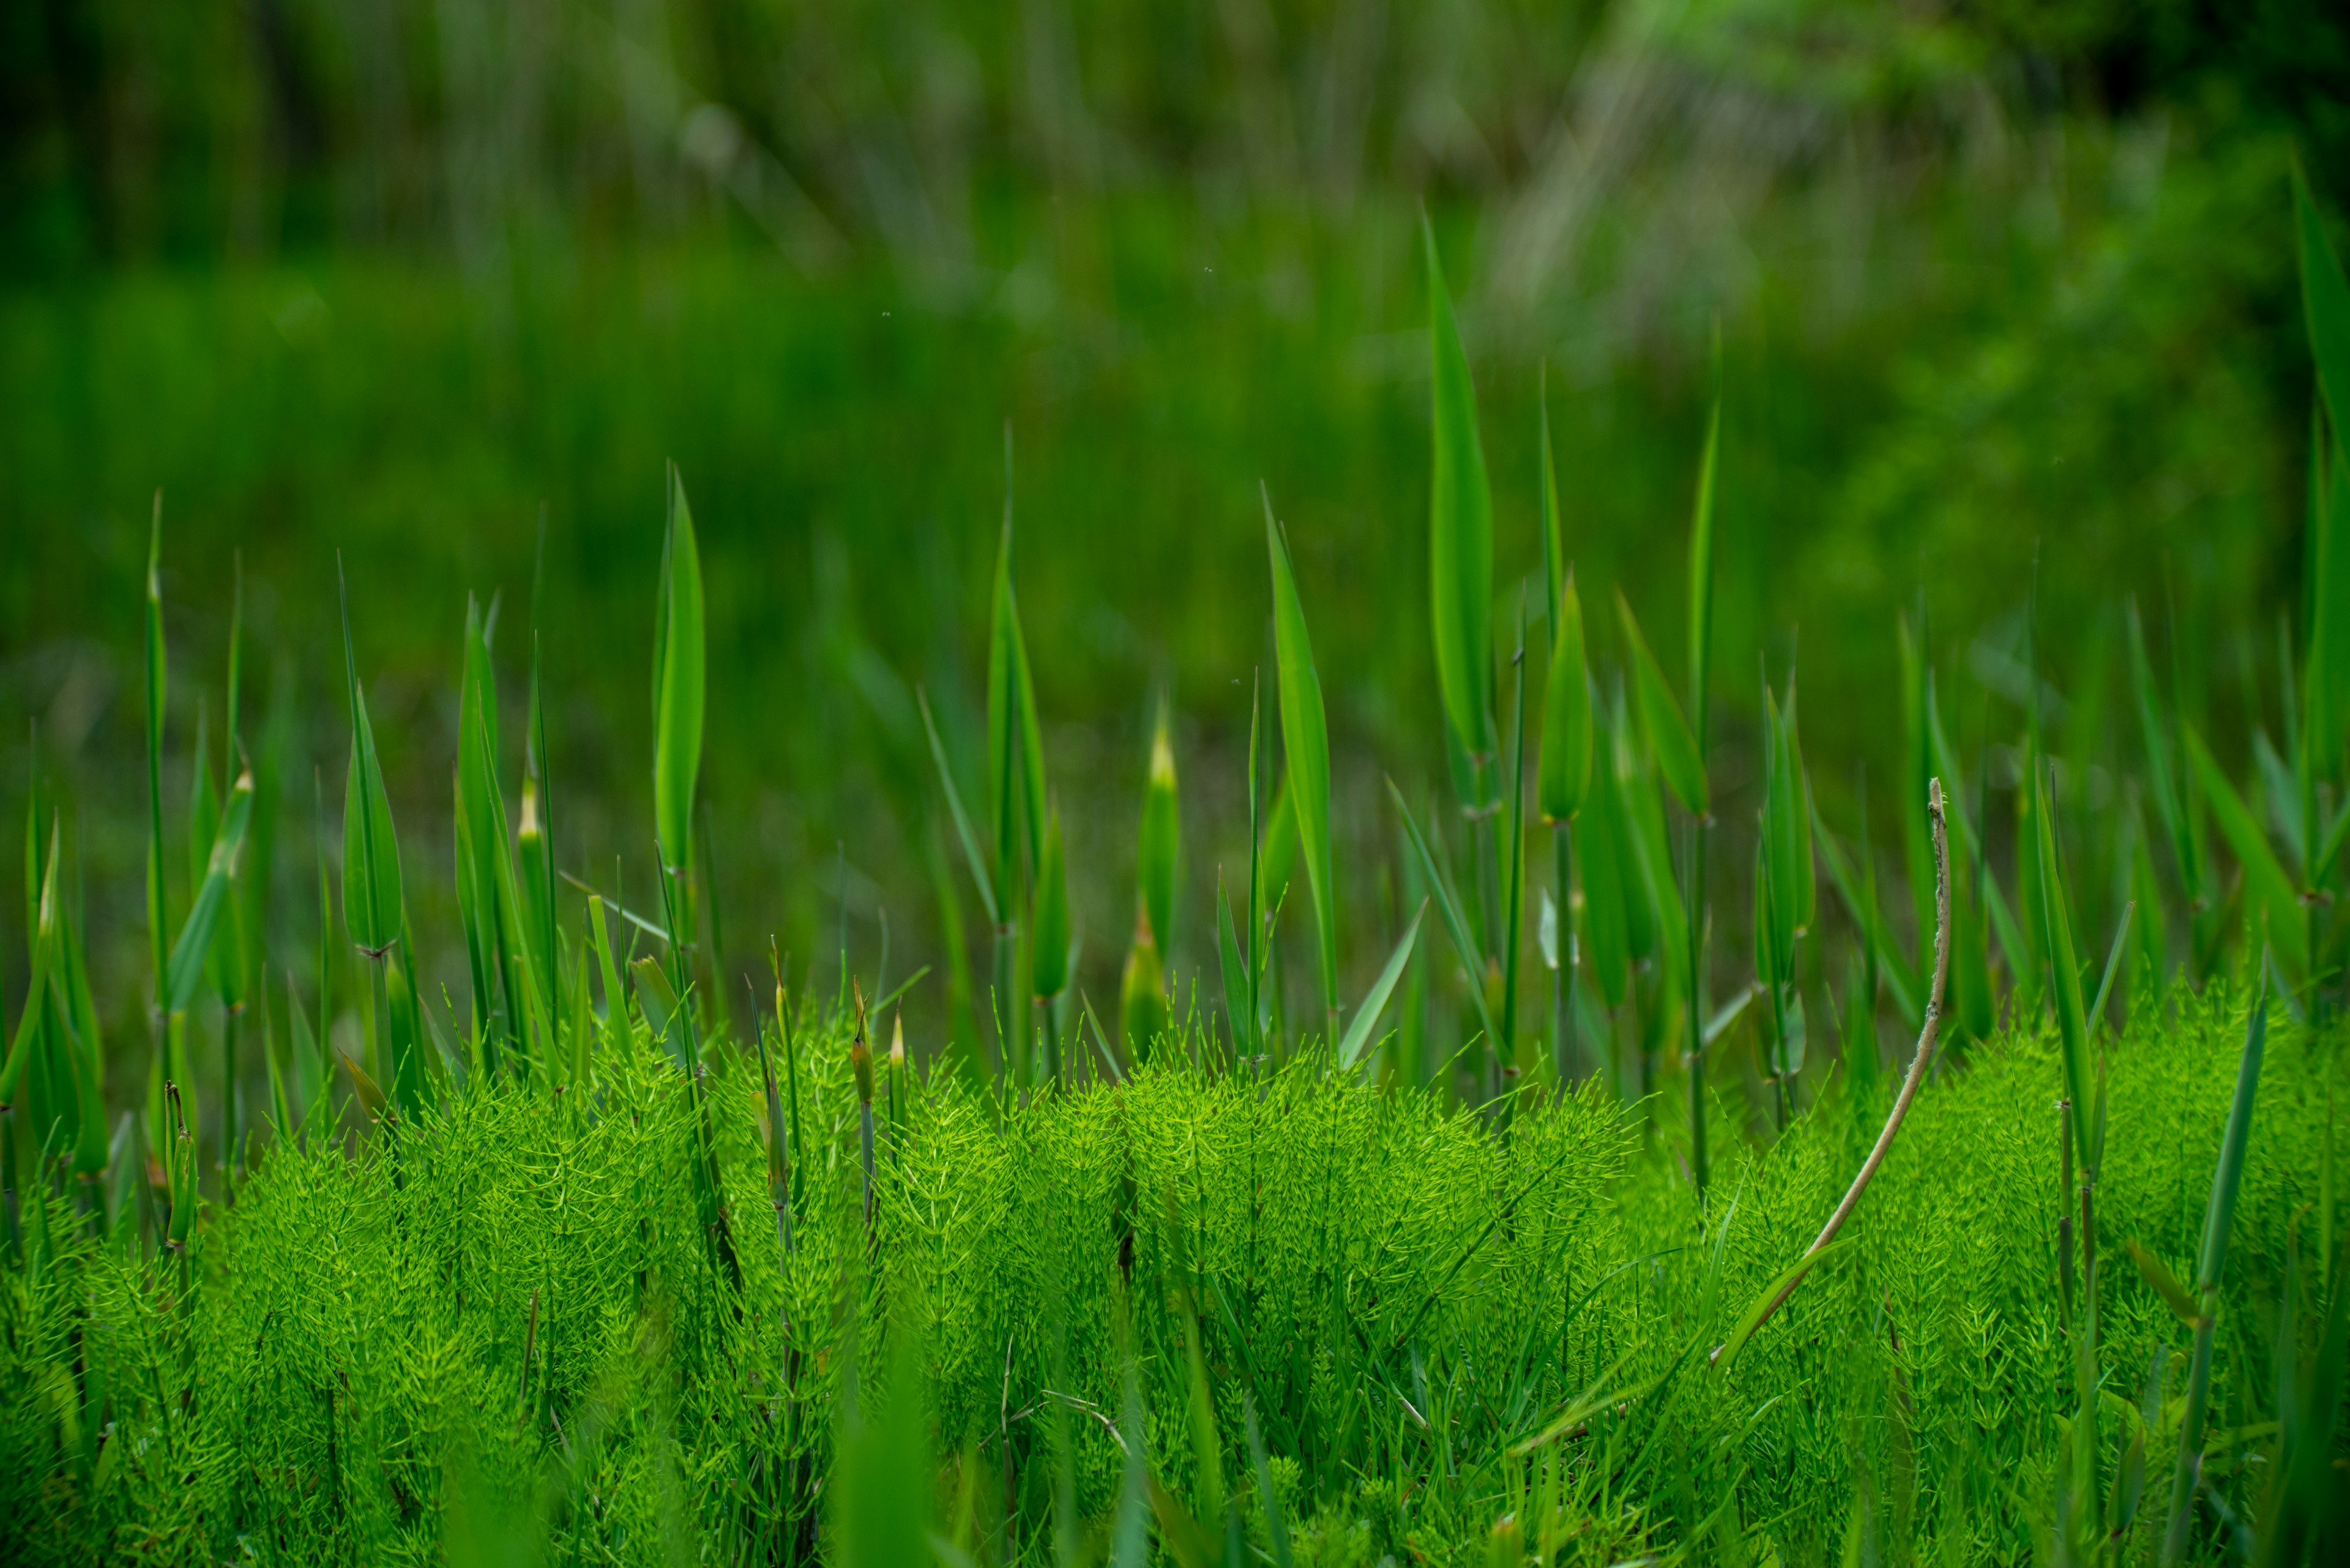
{"x":228,"y":1103}
{"x":2084,"y":1425}
{"x":1008,"y":1055}
{"x":2189,"y":1474}
{"x":1563,"y":1034}
{"x":1699,"y":1164}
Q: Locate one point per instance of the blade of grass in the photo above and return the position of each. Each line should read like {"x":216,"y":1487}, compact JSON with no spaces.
{"x":2219,"y":1219}
{"x":194,"y":944}
{"x":1459,"y":527}
{"x":2265,"y":880}
{"x":1375,"y":1001}
{"x":679,"y":673}
{"x":1305,"y":743}
{"x":1448,"y":905}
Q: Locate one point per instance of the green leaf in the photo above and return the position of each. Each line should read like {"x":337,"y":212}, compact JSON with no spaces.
{"x":2164,"y":1283}
{"x":2265,"y":882}
{"x":2155,"y":735}
{"x":1564,"y":780}
{"x":1142,"y":996}
{"x":1601,"y":835}
{"x":156,"y":681}
{"x":1861,"y":907}
{"x":1156,"y":852}
{"x":371,"y":1096}
{"x":972,"y":854}
{"x":1459,"y":527}
{"x":1753,"y":1319}
{"x":1015,"y":752}
{"x":2220,"y":1210}
{"x":1242,"y":1016}
{"x":1660,"y":719}
{"x":1375,"y":1001}
{"x":194,"y":945}
{"x":1448,"y":904}
{"x":44,"y":948}
{"x":657,"y":1001}
{"x":1049,"y":945}
{"x":2065,"y":969}
{"x":1700,"y":567}
{"x":678,"y":683}
{"x":1305,"y":743}
{"x":2325,"y":304}
{"x":371,"y":890}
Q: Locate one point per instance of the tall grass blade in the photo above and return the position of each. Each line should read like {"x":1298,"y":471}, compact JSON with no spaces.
{"x":1157,"y":852}
{"x":2266,"y":884}
{"x":678,"y":684}
{"x":25,"y":1041}
{"x":973,"y":855}
{"x":2154,"y":733}
{"x":191,"y":950}
{"x":1564,"y":776}
{"x":1448,"y":905}
{"x":1459,"y":527}
{"x":1375,"y":1001}
{"x":2325,"y":303}
{"x":1667,"y":732}
{"x":371,"y":890}
{"x":1306,"y":741}
{"x":2219,"y":1219}
{"x":157,"y":675}
{"x":1049,"y":946}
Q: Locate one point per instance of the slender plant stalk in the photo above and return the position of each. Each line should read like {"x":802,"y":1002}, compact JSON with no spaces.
{"x":2219,"y":1218}
{"x":1562,"y":1027}
{"x":1928,"y":1032}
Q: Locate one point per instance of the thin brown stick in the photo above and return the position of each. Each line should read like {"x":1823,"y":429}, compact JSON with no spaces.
{"x":1928,"y":1032}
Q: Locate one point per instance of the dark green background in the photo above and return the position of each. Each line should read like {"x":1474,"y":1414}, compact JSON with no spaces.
{"x":1995,"y":285}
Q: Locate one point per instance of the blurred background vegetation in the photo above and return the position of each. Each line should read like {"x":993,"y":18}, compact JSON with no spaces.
{"x":2002,"y":288}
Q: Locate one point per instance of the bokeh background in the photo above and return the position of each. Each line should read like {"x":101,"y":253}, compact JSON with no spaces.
{"x":2005,"y":293}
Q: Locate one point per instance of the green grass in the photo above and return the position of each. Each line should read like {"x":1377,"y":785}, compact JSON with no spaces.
{"x":348,"y":1356}
{"x":1259,"y":1283}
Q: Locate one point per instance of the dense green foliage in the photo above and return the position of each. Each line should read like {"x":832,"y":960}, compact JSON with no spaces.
{"x":504,"y":1322}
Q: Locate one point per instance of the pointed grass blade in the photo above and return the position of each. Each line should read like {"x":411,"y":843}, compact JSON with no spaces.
{"x":1459,"y":527}
{"x":1375,"y":1001}
{"x":1660,"y":719}
{"x":1238,"y":1007}
{"x":2265,"y":880}
{"x":192,"y":949}
{"x":1305,"y":743}
{"x":1049,"y":944}
{"x":2325,"y":303}
{"x":21,"y":1048}
{"x":1563,"y":774}
{"x":972,"y":854}
{"x":1157,"y":849}
{"x":1769,"y":1297}
{"x":1701,"y":569}
{"x":1448,"y":905}
{"x":679,"y":673}
{"x":2064,"y":970}
{"x":156,"y":673}
{"x":371,"y":889}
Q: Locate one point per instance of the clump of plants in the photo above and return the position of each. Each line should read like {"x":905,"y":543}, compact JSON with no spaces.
{"x":600,"y":1264}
